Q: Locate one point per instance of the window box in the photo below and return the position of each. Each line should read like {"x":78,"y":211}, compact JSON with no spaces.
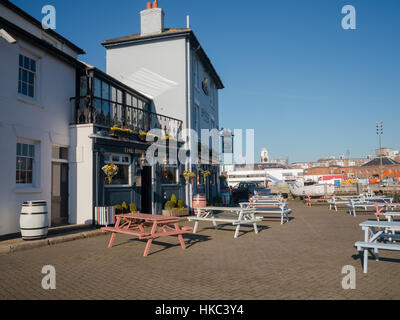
{"x":176,"y":212}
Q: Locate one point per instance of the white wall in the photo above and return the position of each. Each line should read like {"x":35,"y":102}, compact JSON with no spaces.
{"x":235,"y":177}
{"x":166,"y":58}
{"x":81,"y":174}
{"x":33,"y":29}
{"x":44,"y":119}
{"x":207,"y":111}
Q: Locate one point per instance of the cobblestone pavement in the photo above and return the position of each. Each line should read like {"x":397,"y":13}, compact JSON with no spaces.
{"x":302,"y":259}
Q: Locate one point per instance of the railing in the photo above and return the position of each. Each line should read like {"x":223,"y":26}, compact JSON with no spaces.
{"x":110,"y":113}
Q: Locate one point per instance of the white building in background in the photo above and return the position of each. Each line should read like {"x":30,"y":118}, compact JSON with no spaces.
{"x":265,"y":173}
{"x":387,"y":152}
{"x":264,"y":155}
{"x":38,"y":77}
{"x":170,"y":67}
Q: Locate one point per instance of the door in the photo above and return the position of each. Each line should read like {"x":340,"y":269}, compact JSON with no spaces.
{"x":59,"y":194}
{"x":146,"y":190}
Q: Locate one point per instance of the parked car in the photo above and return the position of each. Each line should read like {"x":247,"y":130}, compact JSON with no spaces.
{"x":245,"y":190}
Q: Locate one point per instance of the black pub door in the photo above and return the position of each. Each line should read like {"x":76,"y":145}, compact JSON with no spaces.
{"x":146,"y":190}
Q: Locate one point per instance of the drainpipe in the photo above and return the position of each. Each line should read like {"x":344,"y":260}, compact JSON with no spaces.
{"x":189,"y":116}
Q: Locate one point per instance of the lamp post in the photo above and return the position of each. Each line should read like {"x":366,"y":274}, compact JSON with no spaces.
{"x":379,"y":132}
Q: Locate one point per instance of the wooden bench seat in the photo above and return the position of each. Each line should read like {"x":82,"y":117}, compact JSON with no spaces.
{"x":378,"y":245}
{"x":129,"y":232}
{"x":234,"y":222}
{"x":365,"y":246}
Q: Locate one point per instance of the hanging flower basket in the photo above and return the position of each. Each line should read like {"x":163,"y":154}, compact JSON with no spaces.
{"x":110,"y":171}
{"x":204,"y":173}
{"x":188,"y":175}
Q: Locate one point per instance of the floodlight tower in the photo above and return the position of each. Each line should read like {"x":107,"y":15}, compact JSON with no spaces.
{"x":379,"y":132}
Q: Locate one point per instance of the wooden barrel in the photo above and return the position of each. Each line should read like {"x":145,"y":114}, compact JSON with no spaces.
{"x":34,"y":220}
{"x":199,"y":201}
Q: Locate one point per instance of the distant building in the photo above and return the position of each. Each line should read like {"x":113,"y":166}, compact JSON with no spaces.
{"x":282,"y":161}
{"x":264,"y":155}
{"x":369,"y":169}
{"x":387,"y":152}
{"x":262,"y":172}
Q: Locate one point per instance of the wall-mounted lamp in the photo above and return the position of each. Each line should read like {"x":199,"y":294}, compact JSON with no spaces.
{"x":142,"y":161}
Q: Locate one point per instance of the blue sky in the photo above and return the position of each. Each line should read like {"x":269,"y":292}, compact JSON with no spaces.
{"x":309,"y":88}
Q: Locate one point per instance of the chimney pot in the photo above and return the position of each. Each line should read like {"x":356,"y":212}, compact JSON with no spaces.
{"x":155,"y":4}
{"x":148,"y":5}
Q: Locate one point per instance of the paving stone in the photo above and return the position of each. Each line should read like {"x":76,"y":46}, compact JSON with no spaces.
{"x":5,"y":249}
{"x":302,"y":259}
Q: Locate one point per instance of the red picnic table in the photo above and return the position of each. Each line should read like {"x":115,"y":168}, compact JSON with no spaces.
{"x":382,"y":207}
{"x":134,"y":224}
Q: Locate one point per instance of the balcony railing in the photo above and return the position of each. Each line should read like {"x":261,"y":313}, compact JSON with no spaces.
{"x":110,"y":113}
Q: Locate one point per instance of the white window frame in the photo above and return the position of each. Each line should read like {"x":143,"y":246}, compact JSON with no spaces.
{"x":129,"y":163}
{"x":35,"y":164}
{"x":37,"y":79}
{"x":29,"y":71}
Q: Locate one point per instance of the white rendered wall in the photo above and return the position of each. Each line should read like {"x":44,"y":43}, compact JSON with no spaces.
{"x":168,"y":59}
{"x":81,"y":175}
{"x":45,"y":120}
{"x":165,"y":58}
{"x":207,"y":111}
{"x":34,"y":30}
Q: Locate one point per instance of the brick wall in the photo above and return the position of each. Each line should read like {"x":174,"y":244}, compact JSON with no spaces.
{"x":358,"y":172}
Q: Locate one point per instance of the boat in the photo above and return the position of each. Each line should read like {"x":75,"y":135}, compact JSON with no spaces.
{"x":311,"y":188}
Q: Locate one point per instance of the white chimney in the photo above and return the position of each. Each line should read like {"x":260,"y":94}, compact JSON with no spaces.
{"x":151,"y":19}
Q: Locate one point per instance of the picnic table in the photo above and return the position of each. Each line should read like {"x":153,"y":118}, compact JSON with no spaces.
{"x":388,"y":214}
{"x":237,"y":217}
{"x":340,"y":200}
{"x":135,"y":224}
{"x":374,"y":231}
{"x":316,"y":199}
{"x":354,"y":204}
{"x":266,"y":197}
{"x":269,"y":207}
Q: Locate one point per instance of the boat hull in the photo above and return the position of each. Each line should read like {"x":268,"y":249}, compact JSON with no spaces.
{"x":312,"y":191}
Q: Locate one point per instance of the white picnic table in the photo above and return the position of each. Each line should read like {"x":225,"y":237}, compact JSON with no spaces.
{"x":269,"y":207}
{"x":237,"y":217}
{"x":337,"y":200}
{"x":353,"y":205}
{"x":374,"y":231}
{"x":390,"y":215}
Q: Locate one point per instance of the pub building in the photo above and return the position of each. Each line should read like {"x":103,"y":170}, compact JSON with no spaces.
{"x":110,"y":123}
